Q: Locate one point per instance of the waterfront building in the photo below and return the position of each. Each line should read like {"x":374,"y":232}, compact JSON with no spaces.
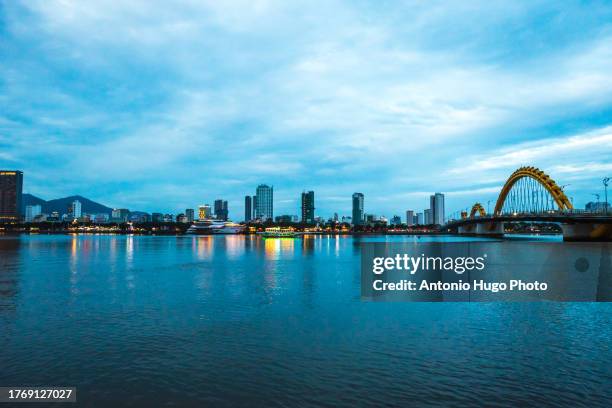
{"x":286,"y":218}
{"x":358,"y":200}
{"x":190,"y":214}
{"x":396,"y":220}
{"x":157,"y":217}
{"x":76,"y":209}
{"x":409,"y":218}
{"x":597,"y":207}
{"x":168,"y":218}
{"x":32,"y":211}
{"x":11,"y":192}
{"x":420,"y":219}
{"x":248,"y":208}
{"x":427,"y":217}
{"x":335,"y":217}
{"x":120,"y":214}
{"x":308,"y":207}
{"x":347,"y":219}
{"x":204,"y":212}
{"x":221,"y":211}
{"x":40,"y":218}
{"x":264,"y":205}
{"x":436,"y":206}
{"x":100,"y":218}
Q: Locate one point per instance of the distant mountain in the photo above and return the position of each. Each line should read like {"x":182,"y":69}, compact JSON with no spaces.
{"x":61,"y":204}
{"x":29,"y":199}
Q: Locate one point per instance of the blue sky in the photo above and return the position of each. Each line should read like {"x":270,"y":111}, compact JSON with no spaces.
{"x":156,"y":106}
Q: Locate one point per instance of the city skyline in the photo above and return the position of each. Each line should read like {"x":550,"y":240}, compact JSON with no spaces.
{"x":393,"y":101}
{"x":435,"y":214}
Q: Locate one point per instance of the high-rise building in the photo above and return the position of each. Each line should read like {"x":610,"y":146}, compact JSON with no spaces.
{"x":428,"y":218}
{"x":335,"y":217}
{"x":157,"y":217}
{"x":409,"y":218}
{"x":221,"y":211}
{"x":101,"y":218}
{"x":248,"y":208}
{"x":31,"y":212}
{"x":285,"y":218}
{"x":358,"y":209}
{"x":254,"y":208}
{"x":11,"y":191}
{"x":436,"y":206}
{"x":308,"y":207}
{"x":190,"y":214}
{"x":396,"y":220}
{"x":120,"y":214}
{"x":204,"y":212}
{"x":76,"y":209}
{"x":420,"y":219}
{"x":264,"y":206}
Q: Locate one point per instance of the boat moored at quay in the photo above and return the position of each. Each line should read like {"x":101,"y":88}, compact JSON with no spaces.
{"x":210,"y":227}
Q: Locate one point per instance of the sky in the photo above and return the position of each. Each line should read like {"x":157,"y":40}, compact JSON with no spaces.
{"x":161,"y":106}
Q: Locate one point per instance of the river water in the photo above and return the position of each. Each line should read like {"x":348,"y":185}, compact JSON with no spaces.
{"x":243,"y":321}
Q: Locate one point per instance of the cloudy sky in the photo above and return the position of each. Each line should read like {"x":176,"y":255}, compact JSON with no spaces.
{"x":159,"y":105}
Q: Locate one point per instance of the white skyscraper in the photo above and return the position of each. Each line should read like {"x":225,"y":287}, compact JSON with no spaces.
{"x":76,"y":209}
{"x":409,"y":218}
{"x":427,"y":217}
{"x":31,"y":212}
{"x":420,"y":219}
{"x":264,"y":203}
{"x":436,"y":206}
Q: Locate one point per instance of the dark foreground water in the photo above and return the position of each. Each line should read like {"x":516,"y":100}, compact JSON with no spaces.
{"x":239,"y":321}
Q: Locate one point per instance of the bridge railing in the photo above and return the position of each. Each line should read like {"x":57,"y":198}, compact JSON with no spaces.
{"x":597,"y":213}
{"x":564,"y":213}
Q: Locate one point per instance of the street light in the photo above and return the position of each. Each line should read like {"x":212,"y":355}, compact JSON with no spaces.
{"x":605,"y":183}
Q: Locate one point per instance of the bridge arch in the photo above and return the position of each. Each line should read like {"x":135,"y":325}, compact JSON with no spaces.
{"x":478,"y":208}
{"x":557,"y":194}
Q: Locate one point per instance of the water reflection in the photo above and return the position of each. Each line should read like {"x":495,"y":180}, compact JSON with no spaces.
{"x":275,"y":248}
{"x":74,"y":263}
{"x":604,"y":284}
{"x":9,"y":272}
{"x":205,"y":246}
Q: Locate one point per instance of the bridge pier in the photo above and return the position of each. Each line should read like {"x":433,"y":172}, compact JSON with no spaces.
{"x":587,"y":232}
{"x":490,"y":229}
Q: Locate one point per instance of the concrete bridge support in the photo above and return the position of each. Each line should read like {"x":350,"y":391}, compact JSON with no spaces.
{"x":587,"y":232}
{"x":490,"y":229}
{"x":493,"y":229}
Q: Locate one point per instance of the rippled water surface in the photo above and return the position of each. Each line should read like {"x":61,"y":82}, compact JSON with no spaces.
{"x":236,"y":320}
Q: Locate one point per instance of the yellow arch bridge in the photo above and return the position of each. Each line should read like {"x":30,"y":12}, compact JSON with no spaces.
{"x":531,"y":195}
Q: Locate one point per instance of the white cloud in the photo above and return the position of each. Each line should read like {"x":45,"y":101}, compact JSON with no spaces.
{"x":391,"y":99}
